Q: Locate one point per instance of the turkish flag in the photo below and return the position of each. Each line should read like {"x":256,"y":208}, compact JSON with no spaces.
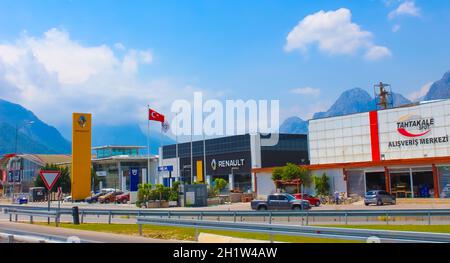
{"x":155,"y":116}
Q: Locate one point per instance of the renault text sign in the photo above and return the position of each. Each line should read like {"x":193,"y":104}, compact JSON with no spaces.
{"x":81,"y":155}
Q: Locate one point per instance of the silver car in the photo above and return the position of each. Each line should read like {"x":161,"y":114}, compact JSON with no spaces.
{"x":379,"y":197}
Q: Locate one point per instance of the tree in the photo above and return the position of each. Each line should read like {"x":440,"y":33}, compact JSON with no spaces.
{"x":294,"y":172}
{"x":321,"y":184}
{"x":277,"y":175}
{"x":63,"y":181}
{"x":290,"y":173}
{"x":143,"y":194}
{"x":219,"y":185}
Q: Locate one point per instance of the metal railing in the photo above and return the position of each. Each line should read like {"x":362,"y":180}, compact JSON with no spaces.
{"x":305,"y":217}
{"x":305,"y":231}
{"x":31,"y":214}
{"x":14,"y":238}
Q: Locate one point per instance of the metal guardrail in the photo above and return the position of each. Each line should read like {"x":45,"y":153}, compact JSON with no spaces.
{"x":306,"y":216}
{"x":14,"y":238}
{"x":306,"y":231}
{"x":32,"y":214}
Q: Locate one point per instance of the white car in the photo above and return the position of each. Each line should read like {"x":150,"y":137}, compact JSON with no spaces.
{"x":67,"y":199}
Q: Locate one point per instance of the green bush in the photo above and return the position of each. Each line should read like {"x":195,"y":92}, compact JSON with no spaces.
{"x":321,"y":185}
{"x":219,"y":185}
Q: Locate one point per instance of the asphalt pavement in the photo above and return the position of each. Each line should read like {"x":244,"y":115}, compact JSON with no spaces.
{"x":63,"y":234}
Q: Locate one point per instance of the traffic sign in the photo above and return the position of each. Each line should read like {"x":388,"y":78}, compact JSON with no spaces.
{"x":168,"y":168}
{"x":50,"y":178}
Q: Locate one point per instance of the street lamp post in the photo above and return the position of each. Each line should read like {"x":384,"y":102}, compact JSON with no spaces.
{"x":184,"y":182}
{"x":15,"y":151}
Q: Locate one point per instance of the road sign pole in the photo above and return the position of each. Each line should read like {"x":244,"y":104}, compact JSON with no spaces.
{"x":48,"y":219}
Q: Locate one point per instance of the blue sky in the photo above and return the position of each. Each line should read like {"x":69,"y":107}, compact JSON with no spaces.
{"x":228,"y":49}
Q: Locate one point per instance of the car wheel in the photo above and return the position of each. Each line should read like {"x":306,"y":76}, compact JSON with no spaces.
{"x":261,"y":208}
{"x":394,"y":202}
{"x":366,"y":204}
{"x":318,"y":203}
{"x":296,"y":208}
{"x":379,"y":202}
{"x":106,"y":201}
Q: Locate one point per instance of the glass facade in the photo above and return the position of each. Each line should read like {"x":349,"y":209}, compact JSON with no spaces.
{"x":113,"y":178}
{"x":223,"y":145}
{"x":444,"y":181}
{"x":115,"y":151}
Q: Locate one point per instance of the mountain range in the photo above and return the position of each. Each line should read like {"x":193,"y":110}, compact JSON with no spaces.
{"x":35,"y":136}
{"x":21,"y":131}
{"x":358,"y":100}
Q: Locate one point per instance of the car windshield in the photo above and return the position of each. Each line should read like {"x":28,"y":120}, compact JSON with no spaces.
{"x":371,"y":193}
{"x":290,"y":197}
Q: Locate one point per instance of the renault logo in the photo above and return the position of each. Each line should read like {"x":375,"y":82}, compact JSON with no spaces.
{"x":214,"y":164}
{"x":82,"y":121}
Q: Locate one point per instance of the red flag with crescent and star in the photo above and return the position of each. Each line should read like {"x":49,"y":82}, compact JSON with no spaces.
{"x":155,"y":116}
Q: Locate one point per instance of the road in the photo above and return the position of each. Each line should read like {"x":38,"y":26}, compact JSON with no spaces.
{"x":62,"y":234}
{"x":246,"y":206}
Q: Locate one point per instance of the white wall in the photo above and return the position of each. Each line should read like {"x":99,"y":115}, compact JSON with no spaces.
{"x":346,"y":139}
{"x":335,"y":179}
{"x":388,"y":119}
{"x":340,"y":139}
{"x":265,"y":185}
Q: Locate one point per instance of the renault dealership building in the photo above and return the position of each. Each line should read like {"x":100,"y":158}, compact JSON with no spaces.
{"x":231,"y":158}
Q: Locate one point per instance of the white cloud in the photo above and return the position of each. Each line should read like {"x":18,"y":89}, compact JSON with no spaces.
{"x":417,"y":95}
{"x":407,"y":8}
{"x":377,"y":52}
{"x":334,"y":33}
{"x":119,"y":46}
{"x":72,"y":62}
{"x":54,"y":75}
{"x":306,"y":91}
{"x":396,"y":28}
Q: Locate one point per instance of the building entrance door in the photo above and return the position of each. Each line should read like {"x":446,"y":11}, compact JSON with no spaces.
{"x":423,"y":185}
{"x":375,"y":181}
{"x":401,"y":181}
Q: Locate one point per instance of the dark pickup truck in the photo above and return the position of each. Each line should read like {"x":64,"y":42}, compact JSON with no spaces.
{"x":280,"y":202}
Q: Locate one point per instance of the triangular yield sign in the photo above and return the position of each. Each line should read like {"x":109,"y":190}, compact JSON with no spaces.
{"x":50,"y":178}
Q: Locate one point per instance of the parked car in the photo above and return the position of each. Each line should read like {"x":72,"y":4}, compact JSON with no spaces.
{"x":280,"y":202}
{"x":37,"y":194}
{"x":379,"y":197}
{"x":67,"y":199}
{"x":109,"y":197}
{"x":94,"y":198}
{"x":21,"y":199}
{"x":123,"y":198}
{"x":312,"y":200}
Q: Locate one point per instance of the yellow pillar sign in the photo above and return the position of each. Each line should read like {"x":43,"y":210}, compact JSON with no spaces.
{"x":199,"y":171}
{"x":81,"y":155}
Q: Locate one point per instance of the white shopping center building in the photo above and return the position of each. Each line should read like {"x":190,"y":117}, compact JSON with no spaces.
{"x":405,"y":151}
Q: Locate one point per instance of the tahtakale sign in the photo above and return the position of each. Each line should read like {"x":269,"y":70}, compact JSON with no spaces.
{"x":415,"y":128}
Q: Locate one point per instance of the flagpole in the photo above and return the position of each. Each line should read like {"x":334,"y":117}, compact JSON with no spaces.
{"x":204,"y":152}
{"x":192,"y":157}
{"x":176,"y":147}
{"x":160,"y":147}
{"x":148,"y":144}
